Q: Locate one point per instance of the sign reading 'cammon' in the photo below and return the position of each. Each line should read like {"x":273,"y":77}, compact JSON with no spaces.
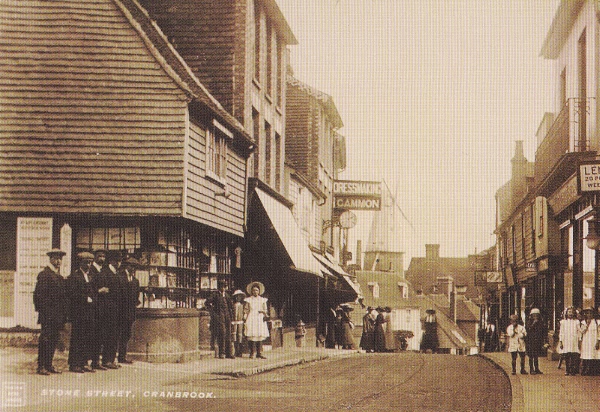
{"x":357,"y":195}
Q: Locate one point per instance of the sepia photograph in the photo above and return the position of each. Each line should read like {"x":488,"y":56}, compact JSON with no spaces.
{"x":299,"y":205}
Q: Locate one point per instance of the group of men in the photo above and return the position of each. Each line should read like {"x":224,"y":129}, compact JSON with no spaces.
{"x":99,"y":299}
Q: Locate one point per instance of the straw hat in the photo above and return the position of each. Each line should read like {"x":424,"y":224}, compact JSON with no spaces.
{"x":238,"y":292}
{"x":261,"y":287}
{"x":534,"y":310}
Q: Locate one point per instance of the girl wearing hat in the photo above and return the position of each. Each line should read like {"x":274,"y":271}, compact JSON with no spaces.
{"x":590,"y":340}
{"x":568,"y":340}
{"x":255,"y":310}
{"x":237,"y":330}
{"x":534,"y":340}
{"x":516,"y":343}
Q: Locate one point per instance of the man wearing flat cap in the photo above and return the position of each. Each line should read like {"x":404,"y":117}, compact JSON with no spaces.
{"x":83,"y":298}
{"x":50,"y":301}
{"x":128,"y":301}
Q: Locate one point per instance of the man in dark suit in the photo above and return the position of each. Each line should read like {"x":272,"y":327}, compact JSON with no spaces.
{"x":50,"y":301}
{"x":128,"y":301}
{"x":95,"y":269}
{"x":83,"y":300}
{"x":222,"y":307}
{"x":108,"y":287}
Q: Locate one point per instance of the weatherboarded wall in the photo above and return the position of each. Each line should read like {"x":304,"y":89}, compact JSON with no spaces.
{"x":90,"y":121}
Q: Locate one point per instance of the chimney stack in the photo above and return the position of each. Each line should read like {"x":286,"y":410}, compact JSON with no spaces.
{"x":432,"y":252}
{"x":519,"y":174}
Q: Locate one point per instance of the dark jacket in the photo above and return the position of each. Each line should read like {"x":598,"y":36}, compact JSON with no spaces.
{"x":82,"y":296}
{"x":128,"y":297}
{"x":108,"y":303}
{"x":535,"y":338}
{"x":50,"y":298}
{"x":221,"y":308}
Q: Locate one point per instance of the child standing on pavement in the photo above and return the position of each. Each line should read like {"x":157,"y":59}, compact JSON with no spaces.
{"x":516,"y":343}
{"x":568,"y":341}
{"x":590,"y":341}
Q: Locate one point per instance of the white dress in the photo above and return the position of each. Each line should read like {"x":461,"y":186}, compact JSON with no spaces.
{"x":569,"y":335}
{"x":516,"y":343}
{"x":590,"y":335}
{"x":255,"y":328}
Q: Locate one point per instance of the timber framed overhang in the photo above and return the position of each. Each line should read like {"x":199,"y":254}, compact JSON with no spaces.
{"x":157,"y":41}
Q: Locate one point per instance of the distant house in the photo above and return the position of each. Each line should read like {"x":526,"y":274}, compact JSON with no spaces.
{"x":424,"y":272}
{"x":381,"y":288}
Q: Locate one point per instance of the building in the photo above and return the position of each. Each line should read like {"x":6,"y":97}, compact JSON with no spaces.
{"x":111,"y":141}
{"x":239,"y":50}
{"x":424,"y":273}
{"x":546,"y":258}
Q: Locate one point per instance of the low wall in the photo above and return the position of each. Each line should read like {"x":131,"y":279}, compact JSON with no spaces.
{"x":165,"y":335}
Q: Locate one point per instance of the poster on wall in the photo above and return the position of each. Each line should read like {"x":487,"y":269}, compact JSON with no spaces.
{"x":34,"y":239}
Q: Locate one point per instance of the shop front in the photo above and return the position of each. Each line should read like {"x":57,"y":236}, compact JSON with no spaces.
{"x":181,"y":262}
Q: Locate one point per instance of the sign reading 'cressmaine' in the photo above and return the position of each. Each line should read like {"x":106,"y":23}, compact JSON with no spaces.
{"x":357,"y":195}
{"x":589,"y":177}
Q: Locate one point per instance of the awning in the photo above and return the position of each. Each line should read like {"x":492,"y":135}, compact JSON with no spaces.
{"x":290,"y":235}
{"x":330,"y":264}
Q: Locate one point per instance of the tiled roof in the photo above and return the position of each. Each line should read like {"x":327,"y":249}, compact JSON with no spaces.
{"x":422,"y":273}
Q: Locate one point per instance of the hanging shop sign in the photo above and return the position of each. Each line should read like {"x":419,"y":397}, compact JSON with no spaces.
{"x":357,"y":195}
{"x":588,"y":178}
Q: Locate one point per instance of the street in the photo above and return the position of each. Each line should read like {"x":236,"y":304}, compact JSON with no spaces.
{"x":404,"y":381}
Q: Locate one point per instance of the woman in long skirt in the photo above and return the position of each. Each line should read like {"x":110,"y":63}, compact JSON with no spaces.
{"x":590,"y":335}
{"x":568,"y":340}
{"x":367,"y":342}
{"x":534,"y":340}
{"x":255,"y":326}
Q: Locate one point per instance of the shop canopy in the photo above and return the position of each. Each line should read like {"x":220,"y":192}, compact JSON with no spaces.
{"x":290,"y":235}
{"x":332,"y":267}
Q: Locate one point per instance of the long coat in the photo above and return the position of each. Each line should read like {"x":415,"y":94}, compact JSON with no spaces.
{"x":367,"y":340}
{"x":128,"y":296}
{"x":535,"y":338}
{"x":50,"y":298}
{"x":82,"y":297}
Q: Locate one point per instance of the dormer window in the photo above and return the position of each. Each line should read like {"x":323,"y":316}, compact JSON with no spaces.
{"x":374,"y":286}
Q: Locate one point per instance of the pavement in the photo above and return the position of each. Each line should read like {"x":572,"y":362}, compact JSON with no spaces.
{"x":552,"y":391}
{"x":21,"y":386}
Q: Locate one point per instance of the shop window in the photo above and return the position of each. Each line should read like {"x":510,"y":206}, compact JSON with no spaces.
{"x":110,"y":238}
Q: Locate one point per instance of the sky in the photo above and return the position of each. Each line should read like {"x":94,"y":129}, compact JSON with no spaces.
{"x":433,"y":95}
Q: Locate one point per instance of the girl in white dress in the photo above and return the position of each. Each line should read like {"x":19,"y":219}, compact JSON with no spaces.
{"x":590,"y":340}
{"x":569,"y":340}
{"x":255,"y":326}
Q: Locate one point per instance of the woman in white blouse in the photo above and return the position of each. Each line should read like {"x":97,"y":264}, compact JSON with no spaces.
{"x":590,"y":341}
{"x":255,"y":311}
{"x":568,"y":340}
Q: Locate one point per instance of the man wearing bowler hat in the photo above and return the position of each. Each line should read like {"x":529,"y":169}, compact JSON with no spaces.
{"x":128,"y":301}
{"x":50,"y":301}
{"x":83,"y":300}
